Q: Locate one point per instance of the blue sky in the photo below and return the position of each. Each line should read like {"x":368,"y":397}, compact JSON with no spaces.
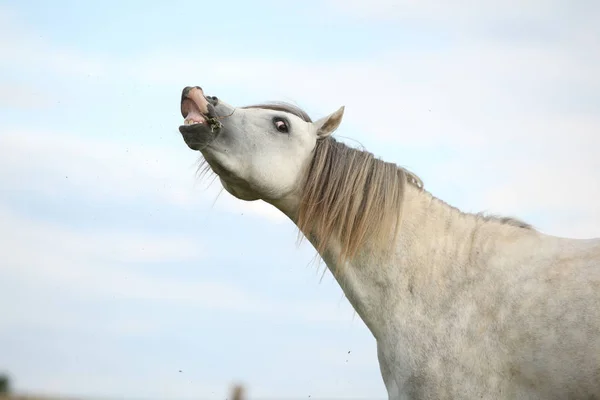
{"x":124,"y":276}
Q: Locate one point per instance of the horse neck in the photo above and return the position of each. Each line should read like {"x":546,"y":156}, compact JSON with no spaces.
{"x":438,"y":248}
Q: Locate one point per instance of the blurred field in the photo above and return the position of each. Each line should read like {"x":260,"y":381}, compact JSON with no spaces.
{"x":23,"y":397}
{"x":236,"y":393}
{"x":32,"y":397}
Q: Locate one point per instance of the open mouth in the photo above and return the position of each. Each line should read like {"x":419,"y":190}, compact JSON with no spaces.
{"x":195,"y":109}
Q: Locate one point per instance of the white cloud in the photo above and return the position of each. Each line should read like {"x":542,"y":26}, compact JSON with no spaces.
{"x":258,"y":208}
{"x":53,"y":164}
{"x":20,"y":96}
{"x":20,"y":47}
{"x":90,"y":165}
{"x":435,"y":9}
{"x":95,"y":264}
{"x":91,"y":261}
{"x":541,"y":165}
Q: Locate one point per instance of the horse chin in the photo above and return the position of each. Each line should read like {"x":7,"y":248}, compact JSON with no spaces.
{"x":238,"y":192}
{"x":231,"y":182}
{"x":197,"y":136}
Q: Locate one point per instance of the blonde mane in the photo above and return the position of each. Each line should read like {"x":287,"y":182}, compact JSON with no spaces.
{"x":349,"y":194}
{"x":352,"y":196}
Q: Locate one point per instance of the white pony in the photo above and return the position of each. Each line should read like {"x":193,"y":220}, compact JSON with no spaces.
{"x":462,"y":306}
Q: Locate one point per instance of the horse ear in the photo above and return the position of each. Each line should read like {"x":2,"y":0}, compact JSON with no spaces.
{"x":327,"y":125}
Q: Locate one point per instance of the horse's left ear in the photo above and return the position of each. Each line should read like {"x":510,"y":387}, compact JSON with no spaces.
{"x":327,"y":125}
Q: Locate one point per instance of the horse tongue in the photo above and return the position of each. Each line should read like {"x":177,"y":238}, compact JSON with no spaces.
{"x":195,"y":116}
{"x":194,"y":106}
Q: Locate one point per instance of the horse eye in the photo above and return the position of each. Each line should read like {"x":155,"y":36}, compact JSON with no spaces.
{"x":281,"y":125}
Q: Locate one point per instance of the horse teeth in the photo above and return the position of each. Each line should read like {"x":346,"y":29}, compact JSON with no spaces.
{"x":191,"y":122}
